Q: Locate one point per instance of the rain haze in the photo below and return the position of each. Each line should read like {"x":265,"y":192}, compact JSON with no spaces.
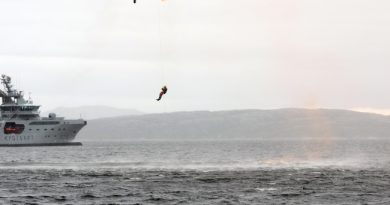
{"x":242,"y":121}
{"x":213,"y":55}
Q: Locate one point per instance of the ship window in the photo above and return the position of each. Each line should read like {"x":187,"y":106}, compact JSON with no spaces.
{"x":5,"y":108}
{"x":13,"y":128}
{"x":38,"y":129}
{"x":29,"y":108}
{"x":45,"y":129}
{"x":45,"y":123}
{"x":52,"y":128}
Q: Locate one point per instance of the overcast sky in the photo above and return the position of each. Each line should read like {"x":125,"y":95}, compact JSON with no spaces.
{"x":212,"y":54}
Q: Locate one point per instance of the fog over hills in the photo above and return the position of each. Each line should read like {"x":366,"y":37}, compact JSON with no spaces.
{"x":240,"y":124}
{"x":91,"y":112}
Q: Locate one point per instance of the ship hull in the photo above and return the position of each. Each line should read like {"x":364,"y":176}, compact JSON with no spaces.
{"x":42,"y":144}
{"x":38,"y":133}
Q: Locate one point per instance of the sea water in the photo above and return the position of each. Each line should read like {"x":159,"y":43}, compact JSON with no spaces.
{"x":199,"y":172}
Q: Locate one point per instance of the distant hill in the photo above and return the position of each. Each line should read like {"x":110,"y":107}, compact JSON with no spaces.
{"x":241,"y":124}
{"x":91,"y":112}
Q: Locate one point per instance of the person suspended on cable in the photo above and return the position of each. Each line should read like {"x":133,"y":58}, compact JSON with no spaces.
{"x":164,"y":90}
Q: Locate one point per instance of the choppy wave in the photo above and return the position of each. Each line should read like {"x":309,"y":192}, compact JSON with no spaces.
{"x":201,"y":156}
{"x":202,"y":166}
{"x":302,"y":186}
{"x":197,"y":173}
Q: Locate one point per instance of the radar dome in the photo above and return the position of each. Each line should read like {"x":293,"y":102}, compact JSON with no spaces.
{"x":52,"y":115}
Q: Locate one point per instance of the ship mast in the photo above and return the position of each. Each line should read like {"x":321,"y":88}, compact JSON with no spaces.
{"x":9,"y":92}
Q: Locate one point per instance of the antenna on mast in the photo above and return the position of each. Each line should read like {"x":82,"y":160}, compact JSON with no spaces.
{"x":29,"y":98}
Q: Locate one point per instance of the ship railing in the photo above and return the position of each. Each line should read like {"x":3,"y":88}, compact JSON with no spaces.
{"x":48,"y":118}
{"x":20,"y":112}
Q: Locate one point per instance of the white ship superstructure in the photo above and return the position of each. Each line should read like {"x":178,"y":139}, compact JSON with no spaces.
{"x":21,"y":124}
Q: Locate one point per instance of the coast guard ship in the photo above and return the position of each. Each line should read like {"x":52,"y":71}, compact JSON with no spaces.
{"x":21,"y":124}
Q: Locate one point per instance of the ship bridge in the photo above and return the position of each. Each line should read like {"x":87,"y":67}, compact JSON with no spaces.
{"x":25,"y":112}
{"x":14,"y":105}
